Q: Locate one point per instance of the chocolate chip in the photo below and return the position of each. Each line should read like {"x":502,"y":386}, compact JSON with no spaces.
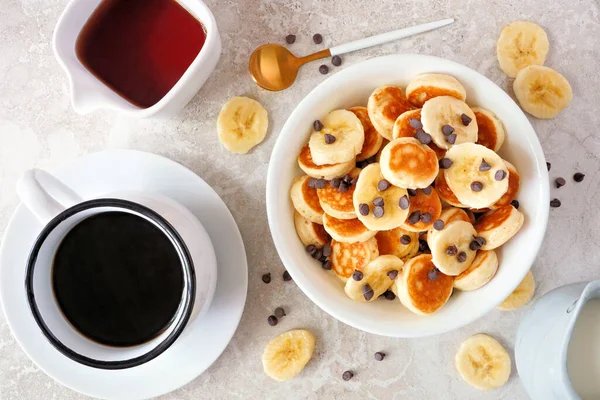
{"x":329,"y":139}
{"x":447,"y":129}
{"x":347,"y":375}
{"x":317,"y":254}
{"x":428,"y":190}
{"x":272,"y":320}
{"x":462,"y":257}
{"x":335,"y":183}
{"x":378,"y":212}
{"x":336,"y":61}
{"x":371,"y":160}
{"x":361,"y":164}
{"x":383,"y":185}
{"x":405,"y":239}
{"x":363,"y":209}
{"x":347,"y":178}
{"x":451,"y":138}
{"x":320,"y":184}
{"x":379,"y":356}
{"x":484,"y":166}
{"x":445,"y":163}
{"x":343,"y":187}
{"x":423,"y":136}
{"x":266,"y":278}
{"x":286,"y":276}
{"x":452,"y":250}
{"x":426,"y":218}
{"x":500,"y":175}
{"x":357,"y":275}
{"x":324,"y":69}
{"x":548,"y":165}
{"x":378,"y":201}
{"x":404,"y":202}
{"x":323,"y":259}
{"x":515,"y":204}
{"x":312,"y":183}
{"x":353,"y":181}
{"x":423,"y":246}
{"x":480,"y":240}
{"x":474,"y":245}
{"x":326,"y":265}
{"x":466,"y":120}
{"x":414,"y":217}
{"x":560,"y":182}
{"x":290,"y":39}
{"x":555,"y":203}
{"x":367,"y":292}
{"x":432,"y":274}
{"x":415,"y":123}
{"x":438,"y":225}
{"x":393,"y":274}
{"x":279,"y":312}
{"x":411,"y":192}
{"x":317,"y":125}
{"x":327,"y":250}
{"x":389,"y":295}
{"x":317,"y":38}
{"x":578,"y":177}
{"x":311,"y":249}
{"x":476,"y":186}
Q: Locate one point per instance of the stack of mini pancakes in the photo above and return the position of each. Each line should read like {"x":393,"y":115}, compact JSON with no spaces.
{"x":407,"y":197}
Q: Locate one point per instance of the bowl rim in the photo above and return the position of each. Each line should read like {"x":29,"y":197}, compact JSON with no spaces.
{"x":272,"y":188}
{"x":179,"y":320}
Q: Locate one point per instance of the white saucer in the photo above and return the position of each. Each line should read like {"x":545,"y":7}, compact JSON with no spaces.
{"x":204,"y":339}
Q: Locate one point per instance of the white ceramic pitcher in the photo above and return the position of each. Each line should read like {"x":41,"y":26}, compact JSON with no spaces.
{"x":543,"y":341}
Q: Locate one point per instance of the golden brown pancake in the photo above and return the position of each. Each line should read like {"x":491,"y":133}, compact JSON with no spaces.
{"x":479,"y":260}
{"x":385,"y":104}
{"x":402,"y":128}
{"x":346,"y":230}
{"x":311,"y":197}
{"x":427,"y":86}
{"x":338,"y":204}
{"x":327,"y":171}
{"x":514,"y":182}
{"x":486,"y":135}
{"x":389,"y":243}
{"x":419,"y":96}
{"x":310,"y":232}
{"x":445,"y":192}
{"x":347,"y":257}
{"x":493,"y":219}
{"x":373,"y":139}
{"x":423,"y":203}
{"x":411,"y":163}
{"x":427,"y":295}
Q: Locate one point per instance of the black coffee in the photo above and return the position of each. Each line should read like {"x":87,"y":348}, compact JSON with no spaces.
{"x":117,"y":278}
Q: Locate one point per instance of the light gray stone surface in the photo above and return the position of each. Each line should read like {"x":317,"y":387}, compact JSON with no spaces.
{"x":38,"y":128}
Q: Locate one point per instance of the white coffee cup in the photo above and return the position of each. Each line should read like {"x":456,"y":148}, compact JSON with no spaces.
{"x":59,"y":208}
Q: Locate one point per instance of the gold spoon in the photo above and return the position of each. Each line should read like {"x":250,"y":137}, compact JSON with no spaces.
{"x":273,"y":67}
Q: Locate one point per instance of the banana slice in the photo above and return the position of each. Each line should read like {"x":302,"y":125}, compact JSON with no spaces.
{"x":286,"y":355}
{"x":347,"y":138}
{"x":521,"y":295}
{"x":482,"y":362}
{"x":306,"y":200}
{"x":482,"y":270}
{"x":450,"y":249}
{"x":514,"y":182}
{"x":421,"y":287}
{"x":490,"y":131}
{"x":542,"y":92}
{"x":446,"y":194}
{"x":521,"y":43}
{"x":498,"y":226}
{"x":424,"y":210}
{"x":338,"y":203}
{"x":326,"y":171}
{"x":398,"y":242}
{"x":447,"y":216}
{"x":403,"y":128}
{"x":449,"y":121}
{"x":373,"y":140}
{"x":347,"y":257}
{"x":478,"y":176}
{"x":377,"y":277}
{"x":427,"y":86}
{"x":407,"y":163}
{"x":385,"y":104}
{"x":367,"y":192}
{"x":242,"y":124}
{"x":309,"y":232}
{"x":346,"y":230}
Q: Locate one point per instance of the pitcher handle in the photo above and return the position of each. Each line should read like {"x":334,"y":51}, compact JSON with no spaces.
{"x":44,"y":195}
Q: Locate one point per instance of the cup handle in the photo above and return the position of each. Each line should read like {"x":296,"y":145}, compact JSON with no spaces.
{"x":44,"y":195}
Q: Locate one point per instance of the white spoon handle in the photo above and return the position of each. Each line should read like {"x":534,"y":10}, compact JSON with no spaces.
{"x":388,"y":37}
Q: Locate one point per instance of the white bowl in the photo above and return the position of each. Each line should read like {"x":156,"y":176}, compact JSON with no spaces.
{"x":352,"y":87}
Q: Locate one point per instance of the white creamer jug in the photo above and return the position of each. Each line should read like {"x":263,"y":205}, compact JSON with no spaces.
{"x":552,"y":339}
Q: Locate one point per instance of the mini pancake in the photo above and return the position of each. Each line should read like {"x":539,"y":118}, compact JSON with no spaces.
{"x":373,"y":140}
{"x":402,"y":128}
{"x":385,"y":104}
{"x":423,"y":203}
{"x":347,"y":257}
{"x":306,"y":200}
{"x":389,"y":242}
{"x":490,"y":129}
{"x":446,"y":194}
{"x":514,"y":182}
{"x":481,"y":271}
{"x":309,"y":232}
{"x":427,"y":86}
{"x":409,"y":164}
{"x":417,"y":291}
{"x":498,"y":226}
{"x":338,"y":204}
{"x":327,"y":171}
{"x":346,"y":230}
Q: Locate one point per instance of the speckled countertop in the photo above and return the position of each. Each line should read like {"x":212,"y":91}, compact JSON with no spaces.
{"x":38,"y":128}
